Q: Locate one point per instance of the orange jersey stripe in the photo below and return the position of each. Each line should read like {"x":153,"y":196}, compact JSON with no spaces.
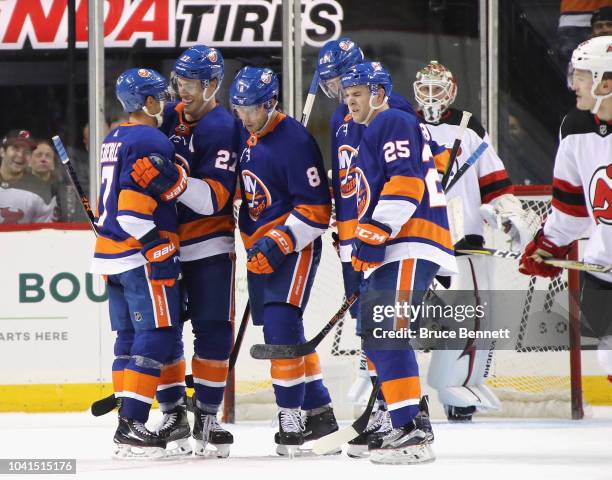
{"x":346,"y":229}
{"x":108,"y":246}
{"x":312,"y":364}
{"x":221,"y":192}
{"x":206,"y":226}
{"x":401,"y":389}
{"x":173,"y":373}
{"x":289,"y":369}
{"x":315,"y":213}
{"x":371,"y":368}
{"x":441,"y":160}
{"x":419,"y":227}
{"x":300,"y":276}
{"x":211,"y":370}
{"x":136,"y":202}
{"x":249,"y":240}
{"x":160,"y":304}
{"x":404,"y":291}
{"x":585,"y":6}
{"x":140,"y":383}
{"x":404,"y":186}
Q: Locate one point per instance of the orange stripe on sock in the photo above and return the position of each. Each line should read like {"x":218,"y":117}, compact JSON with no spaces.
{"x":401,"y":389}
{"x":371,"y":367}
{"x":117,"y":381}
{"x":140,"y":383}
{"x":312,"y":365}
{"x":404,"y":291}
{"x":173,"y":373}
{"x":288,"y":369}
{"x":211,"y":370}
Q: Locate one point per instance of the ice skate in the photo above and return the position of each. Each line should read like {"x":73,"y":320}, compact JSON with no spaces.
{"x":318,"y":423}
{"x":211,"y":439}
{"x":290,"y":432}
{"x":404,"y":445}
{"x":175,"y":430}
{"x":378,"y":427}
{"x":422,"y":419}
{"x":133,"y":441}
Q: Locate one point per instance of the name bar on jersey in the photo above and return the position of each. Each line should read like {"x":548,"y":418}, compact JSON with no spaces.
{"x":166,"y":23}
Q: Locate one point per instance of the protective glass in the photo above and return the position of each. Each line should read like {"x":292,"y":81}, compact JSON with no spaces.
{"x":332,"y":88}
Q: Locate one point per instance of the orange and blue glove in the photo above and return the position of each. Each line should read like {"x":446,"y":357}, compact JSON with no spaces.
{"x":538,"y":250}
{"x":159,"y":176}
{"x":270,"y":251}
{"x":369,"y":245}
{"x":164,"y":263}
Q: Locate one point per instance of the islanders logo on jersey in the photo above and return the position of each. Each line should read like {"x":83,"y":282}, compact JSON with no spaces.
{"x":362,"y":191}
{"x":600,"y":195}
{"x":257,"y":195}
{"x":346,"y":162}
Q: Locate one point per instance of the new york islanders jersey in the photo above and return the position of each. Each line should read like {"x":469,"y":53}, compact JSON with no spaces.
{"x":345,"y":138}
{"x":397,"y":184}
{"x":582,"y":188}
{"x":484,"y":181}
{"x":283,"y":182}
{"x":126,"y":211}
{"x":209,"y":150}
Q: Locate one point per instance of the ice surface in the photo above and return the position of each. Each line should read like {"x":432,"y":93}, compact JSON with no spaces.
{"x":488,"y":449}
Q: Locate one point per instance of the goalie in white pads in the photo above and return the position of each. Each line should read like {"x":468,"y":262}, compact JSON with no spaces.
{"x":582,"y":192}
{"x":484,"y":192}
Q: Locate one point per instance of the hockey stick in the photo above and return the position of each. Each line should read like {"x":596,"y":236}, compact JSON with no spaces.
{"x":468,"y":163}
{"x":267,"y":352}
{"x":61,"y":151}
{"x":556,"y":262}
{"x":335,"y":440}
{"x":465,"y":119}
{"x":312,"y":93}
{"x":109,"y":403}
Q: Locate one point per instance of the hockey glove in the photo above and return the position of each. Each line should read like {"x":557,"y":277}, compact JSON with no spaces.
{"x":164,"y":264}
{"x":369,"y":245}
{"x":539,"y":249}
{"x":160,"y":177}
{"x":270,"y":251}
{"x":506,"y":212}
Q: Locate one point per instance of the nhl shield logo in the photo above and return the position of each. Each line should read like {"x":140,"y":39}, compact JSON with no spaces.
{"x":603,"y":129}
{"x":266,"y":77}
{"x":345,"y":45}
{"x":212,"y":56}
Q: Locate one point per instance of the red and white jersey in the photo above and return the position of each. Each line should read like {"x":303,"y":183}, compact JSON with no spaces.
{"x":582,"y":188}
{"x":484,"y":181}
{"x":20,"y":204}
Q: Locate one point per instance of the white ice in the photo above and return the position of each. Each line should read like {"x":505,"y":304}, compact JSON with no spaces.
{"x":487,"y":449}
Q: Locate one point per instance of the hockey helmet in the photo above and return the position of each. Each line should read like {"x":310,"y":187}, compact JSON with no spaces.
{"x":136,"y":84}
{"x":435,"y":90}
{"x":335,"y":58}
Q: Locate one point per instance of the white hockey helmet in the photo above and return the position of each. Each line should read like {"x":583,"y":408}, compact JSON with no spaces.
{"x":435,"y":90}
{"x":595,"y":55}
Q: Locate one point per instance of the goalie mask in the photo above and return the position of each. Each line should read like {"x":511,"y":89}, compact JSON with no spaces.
{"x":435,"y":90}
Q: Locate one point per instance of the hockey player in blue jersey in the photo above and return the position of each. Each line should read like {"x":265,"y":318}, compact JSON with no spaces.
{"x":401,"y":242}
{"x":205,"y":137}
{"x":335,"y":58}
{"x":285,"y":209}
{"x":137,"y":252}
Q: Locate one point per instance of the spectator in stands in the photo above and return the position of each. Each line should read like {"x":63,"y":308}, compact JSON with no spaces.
{"x":575,"y":25}
{"x":24,"y":198}
{"x":601,"y":22}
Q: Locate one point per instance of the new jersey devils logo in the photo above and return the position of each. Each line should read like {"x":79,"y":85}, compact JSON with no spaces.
{"x":257,"y":195}
{"x":363,"y":192}
{"x":600,"y":195}
{"x":346,"y":161}
{"x":8,"y":215}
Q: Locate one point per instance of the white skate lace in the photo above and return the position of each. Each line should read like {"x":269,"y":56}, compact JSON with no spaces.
{"x":381,"y":422}
{"x":167,"y":422}
{"x":140,"y":427}
{"x":209,"y":424}
{"x":291,"y":421}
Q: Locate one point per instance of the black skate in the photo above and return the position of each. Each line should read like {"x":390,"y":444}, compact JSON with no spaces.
{"x":404,"y":445}
{"x":378,"y":426}
{"x":208,"y":433}
{"x":459,"y":414}
{"x":133,"y":440}
{"x":422,"y":420}
{"x":318,"y":423}
{"x":290,"y":432}
{"x":175,"y":430}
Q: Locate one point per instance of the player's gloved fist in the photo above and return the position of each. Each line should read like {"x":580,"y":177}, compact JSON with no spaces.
{"x":160,"y":176}
{"x":164,"y":263}
{"x":369,"y":245}
{"x":269,"y":251}
{"x":538,"y":250}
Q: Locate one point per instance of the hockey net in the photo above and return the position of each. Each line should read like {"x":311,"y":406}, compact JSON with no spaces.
{"x":531,"y":380}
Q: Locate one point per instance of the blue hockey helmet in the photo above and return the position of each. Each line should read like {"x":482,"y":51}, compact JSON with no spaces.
{"x":335,"y":58}
{"x":254,"y":86}
{"x":200,"y":63}
{"x":136,"y":84}
{"x":372,"y":74}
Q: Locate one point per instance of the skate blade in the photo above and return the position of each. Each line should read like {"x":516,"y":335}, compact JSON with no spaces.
{"x":305,"y":450}
{"x":358,"y":451}
{"x":290,"y":451}
{"x":211,"y":450}
{"x":179,"y":448}
{"x":403,"y":456}
{"x":130,"y":452}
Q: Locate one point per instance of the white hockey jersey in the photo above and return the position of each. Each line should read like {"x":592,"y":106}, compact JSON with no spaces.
{"x":582,"y":188}
{"x":484,"y":181}
{"x":19,"y":204}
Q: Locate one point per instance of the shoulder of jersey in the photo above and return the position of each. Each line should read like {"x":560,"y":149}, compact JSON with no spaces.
{"x":455,"y":119}
{"x":401,"y":103}
{"x":577,"y":122}
{"x":216,"y":119}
